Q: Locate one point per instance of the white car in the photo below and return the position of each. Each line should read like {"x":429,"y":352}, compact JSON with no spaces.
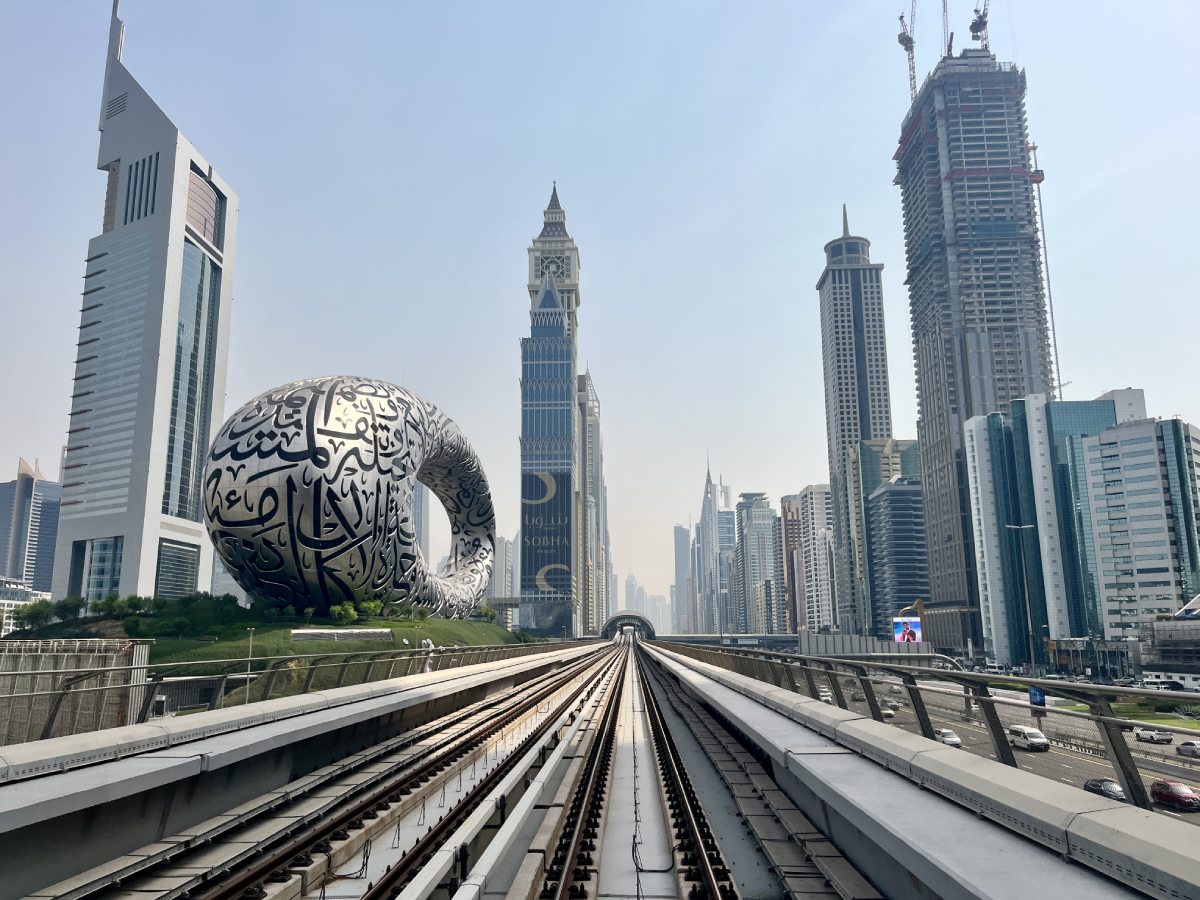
{"x":1188,"y":748}
{"x":947,"y":736}
{"x":888,"y":713}
{"x":1152,"y":736}
{"x":825,"y":696}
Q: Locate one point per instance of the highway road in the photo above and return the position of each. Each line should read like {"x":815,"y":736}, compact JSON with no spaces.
{"x":1061,"y":763}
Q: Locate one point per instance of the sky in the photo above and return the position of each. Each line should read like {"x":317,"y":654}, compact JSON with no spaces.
{"x":393,"y":160}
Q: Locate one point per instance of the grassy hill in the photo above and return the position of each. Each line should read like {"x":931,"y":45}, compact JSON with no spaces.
{"x":275,"y":639}
{"x":232,"y":641}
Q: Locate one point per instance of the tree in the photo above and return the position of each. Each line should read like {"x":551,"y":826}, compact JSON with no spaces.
{"x":309,"y":612}
{"x":370,"y":607}
{"x":69,"y":608}
{"x":35,"y":615}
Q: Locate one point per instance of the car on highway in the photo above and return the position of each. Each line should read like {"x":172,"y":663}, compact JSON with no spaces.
{"x":1028,"y":738}
{"x":825,"y":695}
{"x":892,"y":705}
{"x":895,"y":689}
{"x":1188,"y":748}
{"x":1152,"y":736}
{"x":1175,"y":794}
{"x":947,"y":736}
{"x":1105,"y":787}
{"x":888,"y":713}
{"x":858,"y":696}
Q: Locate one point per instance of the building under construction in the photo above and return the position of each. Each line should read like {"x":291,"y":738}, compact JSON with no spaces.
{"x":976,"y":296}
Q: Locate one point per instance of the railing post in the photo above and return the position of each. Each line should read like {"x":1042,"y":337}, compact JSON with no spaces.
{"x":148,"y":699}
{"x":834,"y":684}
{"x":341,"y":679}
{"x":52,"y":715}
{"x":269,"y":682}
{"x":809,"y":679}
{"x":218,"y":692}
{"x":1118,"y":754}
{"x":1004,"y":751}
{"x":918,"y":705}
{"x":313,"y":665}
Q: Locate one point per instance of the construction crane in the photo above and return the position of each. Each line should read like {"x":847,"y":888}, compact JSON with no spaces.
{"x":979,"y":30}
{"x":947,"y":34}
{"x":905,"y":37}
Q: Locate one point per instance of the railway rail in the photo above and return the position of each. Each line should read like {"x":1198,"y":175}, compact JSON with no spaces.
{"x":365,"y":786}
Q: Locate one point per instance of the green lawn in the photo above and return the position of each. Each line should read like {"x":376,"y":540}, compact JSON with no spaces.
{"x":276,"y":639}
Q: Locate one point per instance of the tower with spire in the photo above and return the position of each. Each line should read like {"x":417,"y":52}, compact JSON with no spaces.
{"x":149,"y":385}
{"x":551,"y":496}
{"x":857,"y":399}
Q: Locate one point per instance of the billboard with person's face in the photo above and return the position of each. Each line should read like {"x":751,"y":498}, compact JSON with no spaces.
{"x":906,"y":630}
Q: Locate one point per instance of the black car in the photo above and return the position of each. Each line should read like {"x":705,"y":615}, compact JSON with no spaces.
{"x":1105,"y":787}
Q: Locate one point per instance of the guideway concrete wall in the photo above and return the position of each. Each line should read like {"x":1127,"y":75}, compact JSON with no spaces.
{"x":105,"y":810}
{"x":922,"y":820}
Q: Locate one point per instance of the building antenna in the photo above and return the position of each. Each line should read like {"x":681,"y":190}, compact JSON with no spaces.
{"x":1037,"y":176}
{"x":908,"y":42}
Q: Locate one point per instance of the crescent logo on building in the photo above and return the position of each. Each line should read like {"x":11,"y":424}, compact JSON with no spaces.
{"x":551,"y":489}
{"x":540,"y":578}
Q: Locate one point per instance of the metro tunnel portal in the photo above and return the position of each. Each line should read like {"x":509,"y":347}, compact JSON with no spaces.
{"x":627,"y":618}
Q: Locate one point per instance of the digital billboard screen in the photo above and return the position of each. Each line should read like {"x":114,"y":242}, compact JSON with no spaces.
{"x":906,"y":630}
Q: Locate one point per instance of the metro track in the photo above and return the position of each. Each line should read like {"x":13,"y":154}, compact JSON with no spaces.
{"x":385,"y":775}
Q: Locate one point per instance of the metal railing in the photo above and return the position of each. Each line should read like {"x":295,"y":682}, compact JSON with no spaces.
{"x":53,"y":706}
{"x":1088,"y":740}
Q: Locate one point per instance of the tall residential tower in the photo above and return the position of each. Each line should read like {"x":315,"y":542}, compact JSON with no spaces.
{"x":149,"y":383}
{"x":857,"y":402}
{"x":980,"y":336}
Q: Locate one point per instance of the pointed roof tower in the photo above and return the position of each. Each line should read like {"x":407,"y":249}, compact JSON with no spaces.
{"x":555,"y":219}
{"x":845,"y":222}
{"x":547,"y":297}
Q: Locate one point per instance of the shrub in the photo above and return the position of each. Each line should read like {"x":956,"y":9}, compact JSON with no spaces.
{"x":343,"y":613}
{"x":370,"y":607}
{"x":132,"y":626}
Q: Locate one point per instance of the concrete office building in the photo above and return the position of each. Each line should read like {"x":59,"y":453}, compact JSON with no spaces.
{"x":857,"y":400}
{"x":421,"y":509}
{"x":592,"y":513}
{"x":682,"y":604}
{"x":976,"y":297}
{"x":149,"y":385}
{"x":550,"y":431}
{"x":29,"y":507}
{"x":815,"y":570}
{"x":869,"y":464}
{"x":15,"y":593}
{"x":896,"y":522}
{"x":501,"y":584}
{"x":1143,"y":487}
{"x":793,"y":558}
{"x":759,"y":605}
{"x":1031,"y":523}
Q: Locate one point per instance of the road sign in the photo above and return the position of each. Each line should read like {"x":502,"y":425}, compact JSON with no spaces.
{"x":1037,"y":697}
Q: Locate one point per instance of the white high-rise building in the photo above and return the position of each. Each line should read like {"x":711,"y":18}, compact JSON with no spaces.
{"x":149,"y":384}
{"x":814,"y":572}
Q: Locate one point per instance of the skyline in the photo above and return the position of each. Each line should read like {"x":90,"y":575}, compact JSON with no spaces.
{"x":648,"y":239}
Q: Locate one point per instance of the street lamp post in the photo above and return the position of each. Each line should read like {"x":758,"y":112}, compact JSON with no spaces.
{"x":249,"y":657}
{"x":1025,"y":583}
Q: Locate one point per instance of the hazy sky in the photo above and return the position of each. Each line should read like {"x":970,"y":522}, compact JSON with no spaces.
{"x":393,"y":161}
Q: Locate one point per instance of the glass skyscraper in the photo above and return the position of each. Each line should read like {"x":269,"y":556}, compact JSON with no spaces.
{"x":149,"y":381}
{"x":1032,"y":521}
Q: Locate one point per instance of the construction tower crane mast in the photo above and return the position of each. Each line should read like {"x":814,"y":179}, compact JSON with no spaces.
{"x":979,"y":31}
{"x":905,"y":37}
